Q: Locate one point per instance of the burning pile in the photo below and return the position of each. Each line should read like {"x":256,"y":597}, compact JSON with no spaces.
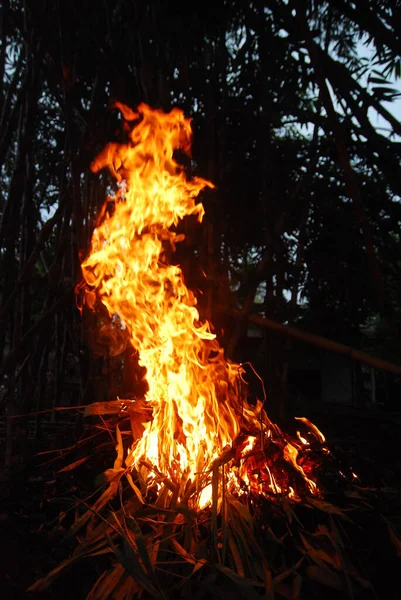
{"x":195,"y":441}
{"x":200,"y":414}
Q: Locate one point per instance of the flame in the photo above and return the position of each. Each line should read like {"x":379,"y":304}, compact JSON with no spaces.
{"x":319,"y":435}
{"x":198,"y":399}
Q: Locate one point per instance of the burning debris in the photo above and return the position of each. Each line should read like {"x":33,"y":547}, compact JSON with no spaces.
{"x":201,"y":415}
{"x":207,"y":498}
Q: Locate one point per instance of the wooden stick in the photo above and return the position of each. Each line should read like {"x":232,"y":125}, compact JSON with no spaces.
{"x":317,"y":340}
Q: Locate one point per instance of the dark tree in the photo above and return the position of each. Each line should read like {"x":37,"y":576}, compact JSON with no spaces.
{"x":304,"y":226}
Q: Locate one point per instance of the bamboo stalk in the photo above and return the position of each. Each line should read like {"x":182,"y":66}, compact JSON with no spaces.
{"x":317,"y":340}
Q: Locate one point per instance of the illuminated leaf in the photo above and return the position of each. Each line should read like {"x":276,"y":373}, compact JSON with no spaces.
{"x":74,"y":465}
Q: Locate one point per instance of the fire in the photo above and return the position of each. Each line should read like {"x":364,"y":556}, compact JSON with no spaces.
{"x":200,"y":410}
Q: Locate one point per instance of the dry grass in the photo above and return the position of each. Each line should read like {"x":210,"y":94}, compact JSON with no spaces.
{"x":239,"y":547}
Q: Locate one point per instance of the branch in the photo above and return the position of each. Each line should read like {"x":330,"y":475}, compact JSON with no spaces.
{"x":350,"y":177}
{"x":317,"y":340}
{"x":343,"y":75}
{"x":371,"y":23}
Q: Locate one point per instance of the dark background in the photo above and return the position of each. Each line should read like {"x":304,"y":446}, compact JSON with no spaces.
{"x":302,"y":229}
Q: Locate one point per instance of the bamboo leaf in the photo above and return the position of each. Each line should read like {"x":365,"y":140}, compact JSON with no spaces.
{"x":395,"y":540}
{"x":93,"y":548}
{"x":163,"y":496}
{"x":236,"y":556}
{"x":290,"y":512}
{"x":296,"y":587}
{"x":326,"y":507}
{"x":108,"y":476}
{"x":131,"y":564}
{"x":74,"y":465}
{"x":241,"y":531}
{"x":104,"y":408}
{"x":245,"y":586}
{"x":379,"y":80}
{"x":106,"y":583}
{"x":347,"y":571}
{"x":320,"y":556}
{"x":197,"y":562}
{"x":118,"y":463}
{"x":127,"y":589}
{"x":215,"y":496}
{"x":43,"y":583}
{"x":385,"y":91}
{"x":153,"y":552}
{"x":268,"y":580}
{"x":96,"y":592}
{"x":284,"y":591}
{"x":241,"y":509}
{"x":107,"y":495}
{"x":325,"y":576}
{"x":135,"y":489}
{"x":141,"y":545}
{"x":282,"y":576}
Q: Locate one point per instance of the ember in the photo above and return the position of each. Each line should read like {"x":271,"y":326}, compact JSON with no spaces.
{"x":201,"y":416}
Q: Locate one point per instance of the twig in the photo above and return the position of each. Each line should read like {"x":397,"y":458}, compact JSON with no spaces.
{"x":41,"y":412}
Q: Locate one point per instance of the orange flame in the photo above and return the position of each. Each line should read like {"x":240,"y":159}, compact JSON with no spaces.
{"x":198,"y":400}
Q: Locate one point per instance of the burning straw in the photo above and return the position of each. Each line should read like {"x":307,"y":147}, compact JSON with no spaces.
{"x":195,"y":459}
{"x":198,"y":400}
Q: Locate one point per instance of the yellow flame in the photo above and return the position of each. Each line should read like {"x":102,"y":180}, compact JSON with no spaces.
{"x":313,"y":428}
{"x":198,"y":400}
{"x":302,"y":439}
{"x":290,"y":454}
{"x":193,"y":394}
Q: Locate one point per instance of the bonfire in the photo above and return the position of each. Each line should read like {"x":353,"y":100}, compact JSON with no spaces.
{"x":200,"y":414}
{"x":197,"y":461}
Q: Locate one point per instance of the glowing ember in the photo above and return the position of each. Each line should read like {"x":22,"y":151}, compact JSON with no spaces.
{"x":200,"y":413}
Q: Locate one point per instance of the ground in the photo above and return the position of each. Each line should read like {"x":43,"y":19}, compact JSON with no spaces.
{"x":32,"y":496}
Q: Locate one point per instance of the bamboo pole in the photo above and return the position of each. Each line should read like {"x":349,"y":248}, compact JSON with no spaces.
{"x":317,"y":340}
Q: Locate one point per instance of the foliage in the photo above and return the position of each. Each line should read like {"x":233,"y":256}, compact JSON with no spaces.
{"x":285,"y":220}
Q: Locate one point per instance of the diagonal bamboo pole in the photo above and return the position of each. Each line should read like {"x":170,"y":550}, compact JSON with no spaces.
{"x":316,"y":340}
